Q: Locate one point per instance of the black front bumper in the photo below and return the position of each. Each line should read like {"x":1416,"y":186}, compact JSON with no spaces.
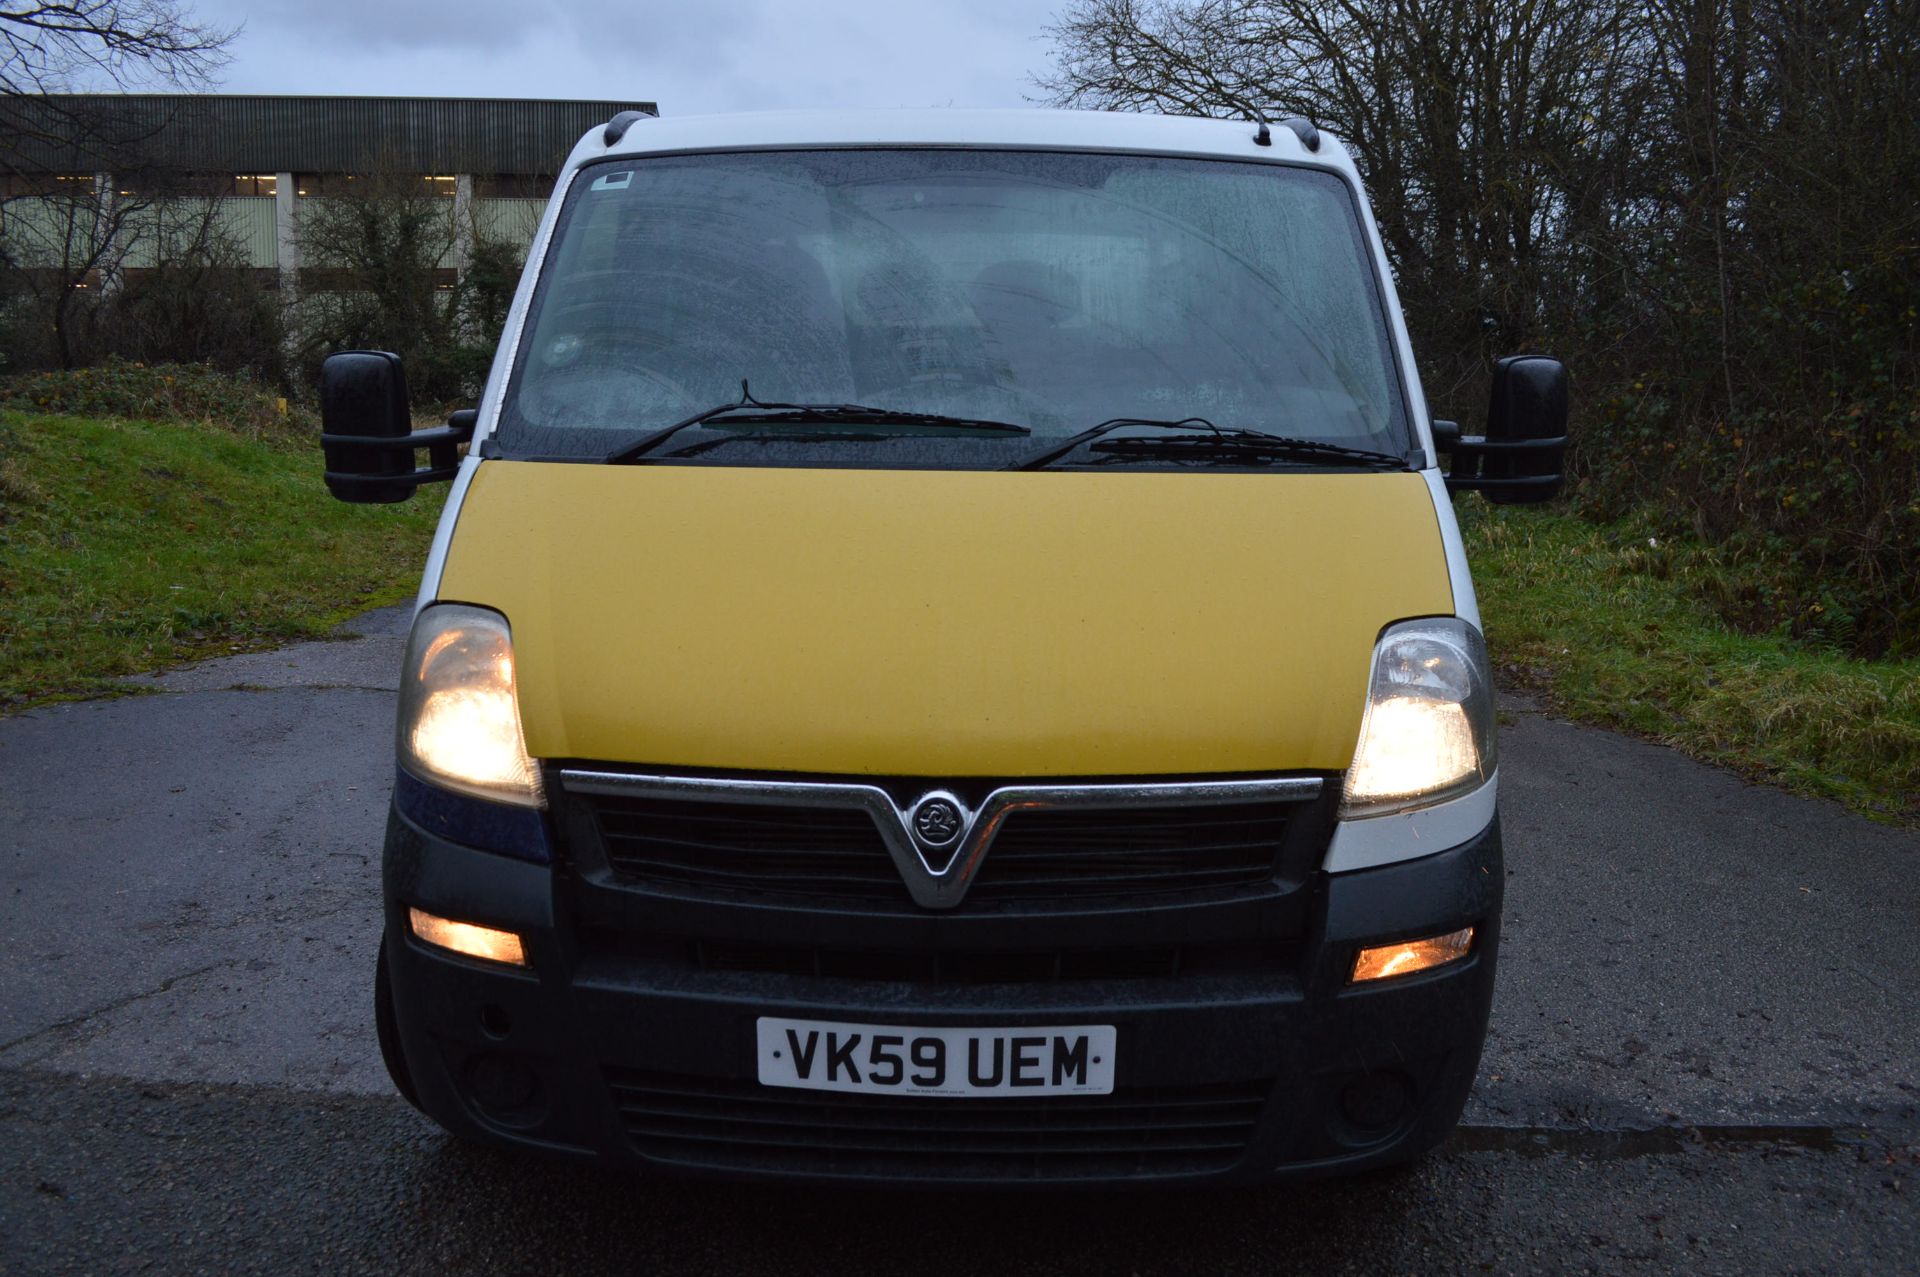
{"x":1229,"y":1076}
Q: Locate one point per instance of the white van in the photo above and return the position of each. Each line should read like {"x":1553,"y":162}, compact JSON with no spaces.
{"x":949,"y":659}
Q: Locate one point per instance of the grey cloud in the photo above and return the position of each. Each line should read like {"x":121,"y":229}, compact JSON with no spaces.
{"x":277,"y":27}
{"x":722,"y":55}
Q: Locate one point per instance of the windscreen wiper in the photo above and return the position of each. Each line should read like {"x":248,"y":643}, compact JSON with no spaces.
{"x":1242,"y":445}
{"x":748,"y":409}
{"x":1201,"y":440}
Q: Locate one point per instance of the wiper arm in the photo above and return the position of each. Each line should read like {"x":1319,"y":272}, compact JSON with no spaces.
{"x":1237,"y":445}
{"x":747,"y":408}
{"x":1046,"y":456}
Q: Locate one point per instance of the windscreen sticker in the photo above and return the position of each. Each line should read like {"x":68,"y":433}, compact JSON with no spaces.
{"x":613,"y":181}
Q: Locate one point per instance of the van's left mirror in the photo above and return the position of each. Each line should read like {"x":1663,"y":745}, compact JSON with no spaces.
{"x":367,"y":434}
{"x":1518,"y":461}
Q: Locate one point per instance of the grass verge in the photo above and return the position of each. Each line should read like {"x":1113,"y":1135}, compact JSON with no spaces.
{"x":1609,"y":624}
{"x":130,"y":545}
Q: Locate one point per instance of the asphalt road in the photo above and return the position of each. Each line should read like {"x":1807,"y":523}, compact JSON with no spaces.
{"x":1705,"y":1052}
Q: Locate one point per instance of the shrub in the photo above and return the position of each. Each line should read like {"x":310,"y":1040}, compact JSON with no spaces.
{"x":157,"y":392}
{"x":1808,"y":489}
{"x":376,"y":279}
{"x":197,"y":311}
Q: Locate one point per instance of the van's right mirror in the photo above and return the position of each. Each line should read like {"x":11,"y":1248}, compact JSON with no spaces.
{"x":363,"y":411}
{"x":1519,"y":459}
{"x":367,"y":434}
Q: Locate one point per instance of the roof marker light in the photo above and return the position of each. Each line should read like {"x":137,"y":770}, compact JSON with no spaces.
{"x":1304,"y":130}
{"x":617,"y":127}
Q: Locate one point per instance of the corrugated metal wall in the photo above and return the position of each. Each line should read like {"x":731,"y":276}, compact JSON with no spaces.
{"x":209,"y":132}
{"x":164,"y":231}
{"x":221,"y":134}
{"x":42,"y":233}
{"x":514,"y":220}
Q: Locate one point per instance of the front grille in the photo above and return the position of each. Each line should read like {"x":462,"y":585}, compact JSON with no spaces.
{"x":1044,"y":855}
{"x":942,"y":966}
{"x":789,"y":851}
{"x":1038,"y":857}
{"x":733,"y":1125}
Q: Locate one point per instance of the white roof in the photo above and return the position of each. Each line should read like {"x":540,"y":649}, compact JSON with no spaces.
{"x":1069,"y":130}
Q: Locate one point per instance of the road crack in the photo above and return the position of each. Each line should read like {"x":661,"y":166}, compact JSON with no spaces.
{"x":1647,"y":1141}
{"x":165,"y":986}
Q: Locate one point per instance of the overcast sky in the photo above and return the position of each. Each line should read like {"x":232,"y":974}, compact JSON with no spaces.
{"x":707,"y":55}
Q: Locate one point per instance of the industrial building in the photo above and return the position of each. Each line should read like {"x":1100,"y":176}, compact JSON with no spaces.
{"x":251,"y":162}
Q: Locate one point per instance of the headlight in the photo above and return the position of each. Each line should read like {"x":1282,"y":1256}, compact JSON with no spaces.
{"x":1427,"y":733}
{"x":459,"y":716}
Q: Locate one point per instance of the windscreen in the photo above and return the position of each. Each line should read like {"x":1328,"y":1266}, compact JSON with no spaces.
{"x":1045,"y":290}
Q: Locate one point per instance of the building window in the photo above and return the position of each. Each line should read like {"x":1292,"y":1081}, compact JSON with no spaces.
{"x":322,"y":184}
{"x":172,"y":183}
{"x":256,"y":184}
{"x":12,"y":184}
{"x":329,"y":184}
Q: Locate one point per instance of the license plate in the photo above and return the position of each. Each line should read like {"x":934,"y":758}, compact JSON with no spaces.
{"x":896,"y":1059}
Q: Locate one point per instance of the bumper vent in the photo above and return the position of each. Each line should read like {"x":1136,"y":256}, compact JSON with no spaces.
{"x":742,"y":1126}
{"x":944,"y":966}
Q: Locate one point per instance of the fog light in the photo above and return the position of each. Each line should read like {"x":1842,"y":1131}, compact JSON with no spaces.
{"x":468,"y":938}
{"x":1376,"y":1101}
{"x":501,"y":1083}
{"x":1383,"y":962}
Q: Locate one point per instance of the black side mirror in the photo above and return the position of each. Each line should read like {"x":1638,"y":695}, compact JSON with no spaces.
{"x":1518,"y":460}
{"x":367,"y":434}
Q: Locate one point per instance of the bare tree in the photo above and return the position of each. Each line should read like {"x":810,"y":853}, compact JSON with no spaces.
{"x":389,"y":263}
{"x":51,"y":48}
{"x":62,"y":247}
{"x":60,"y":240}
{"x":198,"y":299}
{"x":65,"y":249}
{"x":1469,"y":118}
{"x":1703,"y":204}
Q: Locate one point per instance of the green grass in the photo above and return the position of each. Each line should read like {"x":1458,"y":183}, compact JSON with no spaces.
{"x":126,"y":546}
{"x":1610,"y":624}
